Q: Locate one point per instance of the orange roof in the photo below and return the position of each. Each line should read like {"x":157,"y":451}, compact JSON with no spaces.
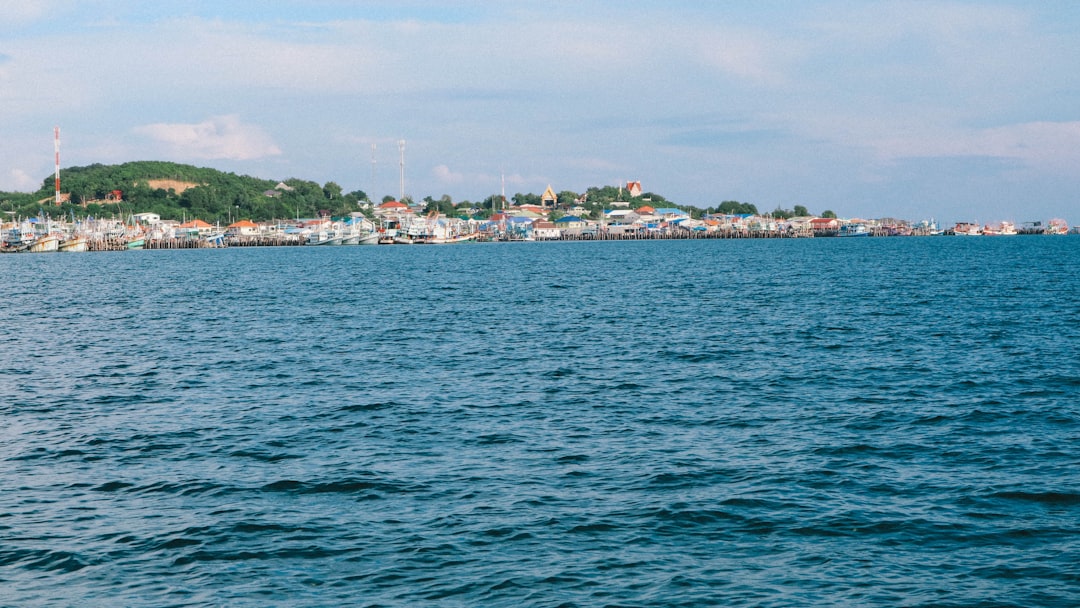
{"x":645,"y":209}
{"x":392,"y":205}
{"x":196,"y":223}
{"x":243,"y":224}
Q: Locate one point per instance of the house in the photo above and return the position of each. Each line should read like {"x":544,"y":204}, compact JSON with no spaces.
{"x":147,"y":219}
{"x":822,"y":225}
{"x":244,"y":228}
{"x":538,"y":211}
{"x":196,"y":226}
{"x":621,"y":216}
{"x":671,"y":214}
{"x":546,"y":231}
{"x":570,"y":221}
{"x":391,"y":208}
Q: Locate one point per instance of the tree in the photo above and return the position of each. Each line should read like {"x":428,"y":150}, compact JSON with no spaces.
{"x":801,"y":211}
{"x":828,"y":214}
{"x":332,"y":190}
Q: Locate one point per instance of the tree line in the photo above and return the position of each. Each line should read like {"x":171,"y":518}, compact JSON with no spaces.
{"x":218,"y":196}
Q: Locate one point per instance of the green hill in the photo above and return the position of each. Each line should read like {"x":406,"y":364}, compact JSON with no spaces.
{"x":176,"y":191}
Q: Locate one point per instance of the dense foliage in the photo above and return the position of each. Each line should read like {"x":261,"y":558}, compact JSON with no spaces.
{"x":178,"y":191}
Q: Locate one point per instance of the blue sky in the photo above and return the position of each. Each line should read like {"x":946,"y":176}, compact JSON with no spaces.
{"x":951,"y":110}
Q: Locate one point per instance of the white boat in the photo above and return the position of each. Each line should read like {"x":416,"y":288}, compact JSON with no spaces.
{"x":1057,"y":227}
{"x":1000,"y":229}
{"x":324,"y":237}
{"x":967,"y":229}
{"x":73,"y":244}
{"x":853,"y":230}
{"x":43,"y":244}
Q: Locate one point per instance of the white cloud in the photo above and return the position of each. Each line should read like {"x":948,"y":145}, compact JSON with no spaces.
{"x":1047,"y":146}
{"x":21,"y":181}
{"x":19,"y":12}
{"x":219,"y":137}
{"x":446,"y":176}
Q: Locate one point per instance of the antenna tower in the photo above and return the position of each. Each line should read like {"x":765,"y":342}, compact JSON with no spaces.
{"x":372,"y":186}
{"x":401,"y":188}
{"x":56,"y":145}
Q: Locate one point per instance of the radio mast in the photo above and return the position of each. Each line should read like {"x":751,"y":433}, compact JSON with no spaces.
{"x":401,"y":188}
{"x":372,"y":185}
{"x":56,"y":145}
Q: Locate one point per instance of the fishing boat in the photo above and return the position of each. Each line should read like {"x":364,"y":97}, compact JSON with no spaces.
{"x":75,"y":244}
{"x":967,"y":229}
{"x":44,"y":244}
{"x":1057,"y":227}
{"x":853,"y":230}
{"x":324,"y":237}
{"x":1000,"y":229}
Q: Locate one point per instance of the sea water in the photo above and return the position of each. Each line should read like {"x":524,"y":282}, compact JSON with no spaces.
{"x":840,"y":422}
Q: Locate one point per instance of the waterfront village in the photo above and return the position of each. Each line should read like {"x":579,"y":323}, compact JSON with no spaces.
{"x":395,"y":222}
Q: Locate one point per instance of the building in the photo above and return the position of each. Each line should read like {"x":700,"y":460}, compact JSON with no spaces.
{"x":634,"y":188}
{"x":244,"y":228}
{"x":549,"y":199}
{"x":146,"y":219}
{"x":546,"y":231}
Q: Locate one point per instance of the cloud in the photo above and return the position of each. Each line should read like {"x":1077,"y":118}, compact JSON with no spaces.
{"x":20,"y":12}
{"x":446,"y":176}
{"x":22,"y":181}
{"x":1049,"y":146}
{"x":219,"y":137}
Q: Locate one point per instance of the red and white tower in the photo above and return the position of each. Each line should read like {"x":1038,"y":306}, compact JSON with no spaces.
{"x":56,"y":141}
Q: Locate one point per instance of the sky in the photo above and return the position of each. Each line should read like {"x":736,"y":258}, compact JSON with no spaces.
{"x":957,"y":111}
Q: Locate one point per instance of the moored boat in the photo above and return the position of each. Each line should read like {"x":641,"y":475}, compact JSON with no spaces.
{"x":853,"y":230}
{"x":77,"y":244}
{"x":967,"y":229}
{"x":1057,"y":227}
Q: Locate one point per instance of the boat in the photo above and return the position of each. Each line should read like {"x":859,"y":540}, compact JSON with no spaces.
{"x":77,"y":244}
{"x":136,"y":243}
{"x":324,"y":237}
{"x":1057,"y":227}
{"x":967,"y":229}
{"x":853,"y":230}
{"x":1000,"y":229}
{"x":43,"y":244}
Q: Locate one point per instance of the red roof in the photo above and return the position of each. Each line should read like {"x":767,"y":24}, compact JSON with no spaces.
{"x":196,"y":223}
{"x":393,"y":205}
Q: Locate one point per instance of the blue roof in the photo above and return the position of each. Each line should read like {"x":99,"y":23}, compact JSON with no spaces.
{"x":569,"y":218}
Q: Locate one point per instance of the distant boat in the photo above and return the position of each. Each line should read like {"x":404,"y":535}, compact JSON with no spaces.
{"x":1000,"y":229}
{"x":1057,"y":227}
{"x":853,"y":230}
{"x":46,"y":243}
{"x":74,"y":244}
{"x":324,"y":237}
{"x":136,"y":243}
{"x":967,"y":229}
